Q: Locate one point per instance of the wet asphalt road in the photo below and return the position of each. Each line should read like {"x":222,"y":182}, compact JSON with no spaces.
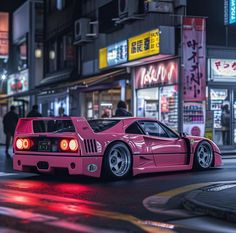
{"x":40,"y":203}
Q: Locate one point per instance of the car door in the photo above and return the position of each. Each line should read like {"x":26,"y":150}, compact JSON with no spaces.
{"x":167,"y":147}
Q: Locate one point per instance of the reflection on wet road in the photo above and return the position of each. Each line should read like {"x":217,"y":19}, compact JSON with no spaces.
{"x":59,"y":205}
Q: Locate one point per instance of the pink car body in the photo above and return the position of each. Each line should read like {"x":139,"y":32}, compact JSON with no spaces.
{"x":148,"y":153}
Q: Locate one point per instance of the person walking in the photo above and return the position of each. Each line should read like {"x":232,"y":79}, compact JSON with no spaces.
{"x":225,"y":124}
{"x":10,"y":120}
{"x":121,"y":110}
{"x":34,"y":112}
{"x":38,"y":125}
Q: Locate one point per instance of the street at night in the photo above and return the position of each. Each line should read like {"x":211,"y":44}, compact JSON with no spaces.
{"x":118,"y":116}
{"x":39,"y":203}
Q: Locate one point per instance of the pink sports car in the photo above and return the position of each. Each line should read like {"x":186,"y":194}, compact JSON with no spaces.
{"x":115,"y":147}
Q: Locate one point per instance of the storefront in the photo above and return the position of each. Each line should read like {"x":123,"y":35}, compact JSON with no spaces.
{"x":157,"y":91}
{"x":222,"y":95}
{"x":18,"y":84}
{"x":51,"y":101}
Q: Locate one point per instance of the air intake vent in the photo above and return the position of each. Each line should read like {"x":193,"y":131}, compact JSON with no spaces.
{"x":90,"y":145}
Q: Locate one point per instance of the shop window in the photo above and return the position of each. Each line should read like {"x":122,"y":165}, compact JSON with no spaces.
{"x":22,"y":51}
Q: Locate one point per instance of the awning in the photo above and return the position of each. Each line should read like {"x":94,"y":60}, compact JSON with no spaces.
{"x":78,"y":84}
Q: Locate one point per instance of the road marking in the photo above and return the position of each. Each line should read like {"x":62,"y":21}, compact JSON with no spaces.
{"x":8,"y":174}
{"x":157,"y":203}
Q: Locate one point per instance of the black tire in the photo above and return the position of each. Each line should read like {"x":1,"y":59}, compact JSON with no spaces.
{"x":203,"y":157}
{"x":117,"y":162}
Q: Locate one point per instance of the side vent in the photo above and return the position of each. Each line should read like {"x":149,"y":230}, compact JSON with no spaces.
{"x":90,"y":145}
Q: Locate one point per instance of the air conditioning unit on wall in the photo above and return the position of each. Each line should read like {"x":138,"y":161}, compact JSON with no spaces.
{"x":128,"y":8}
{"x":85,"y":30}
{"x":160,"y":6}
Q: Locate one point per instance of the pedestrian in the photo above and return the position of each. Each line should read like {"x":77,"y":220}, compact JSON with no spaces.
{"x":10,"y":120}
{"x":34,"y":112}
{"x":105,"y":113}
{"x":61,"y":112}
{"x":225,"y":124}
{"x":122,"y":110}
{"x":38,"y":125}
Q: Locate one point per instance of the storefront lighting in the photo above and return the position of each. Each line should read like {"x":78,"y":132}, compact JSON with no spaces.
{"x":52,"y":54}
{"x":3,"y":77}
{"x":38,"y":53}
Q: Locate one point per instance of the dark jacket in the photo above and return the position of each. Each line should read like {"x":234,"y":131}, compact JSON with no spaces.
{"x":34,"y":113}
{"x":122,"y":112}
{"x":9,"y":122}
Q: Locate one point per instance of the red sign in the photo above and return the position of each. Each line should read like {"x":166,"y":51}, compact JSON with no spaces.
{"x":161,"y":73}
{"x":194,"y":59}
{"x":4,"y":35}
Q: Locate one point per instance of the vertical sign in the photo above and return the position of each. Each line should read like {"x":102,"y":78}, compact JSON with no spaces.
{"x":226,"y":12}
{"x":232,"y":11}
{"x":194,"y":59}
{"x":4,"y":35}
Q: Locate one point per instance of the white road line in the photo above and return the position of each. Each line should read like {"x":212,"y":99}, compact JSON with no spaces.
{"x":8,"y":174}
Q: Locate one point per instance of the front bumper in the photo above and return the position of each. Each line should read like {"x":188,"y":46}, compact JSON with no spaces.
{"x":88,"y":166}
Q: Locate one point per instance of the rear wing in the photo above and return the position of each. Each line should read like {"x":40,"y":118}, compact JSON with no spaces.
{"x":48,"y":125}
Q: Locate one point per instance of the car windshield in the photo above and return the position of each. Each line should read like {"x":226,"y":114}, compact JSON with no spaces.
{"x":53,"y":126}
{"x":102,"y":125}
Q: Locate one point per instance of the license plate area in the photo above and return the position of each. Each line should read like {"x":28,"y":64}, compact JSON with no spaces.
{"x":44,"y":146}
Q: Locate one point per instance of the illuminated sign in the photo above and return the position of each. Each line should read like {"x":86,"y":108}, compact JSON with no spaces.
{"x":102,"y":58}
{"x":232,"y":11}
{"x":229,"y":11}
{"x":223,"y":68}
{"x":117,"y":53}
{"x":144,"y":45}
{"x":156,"y":74}
{"x":17,"y":83}
{"x":4,"y":25}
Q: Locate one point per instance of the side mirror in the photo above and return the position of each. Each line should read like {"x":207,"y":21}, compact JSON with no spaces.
{"x":182,"y":135}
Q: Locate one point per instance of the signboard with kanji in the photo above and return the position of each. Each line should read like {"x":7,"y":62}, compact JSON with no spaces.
{"x":117,"y":53}
{"x":4,"y":24}
{"x":224,"y":69}
{"x":144,"y":45}
{"x":194,"y":59}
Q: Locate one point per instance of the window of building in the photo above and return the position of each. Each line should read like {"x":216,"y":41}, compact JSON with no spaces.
{"x":22,"y":51}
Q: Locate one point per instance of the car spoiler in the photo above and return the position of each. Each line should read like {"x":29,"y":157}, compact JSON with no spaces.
{"x":25,"y":125}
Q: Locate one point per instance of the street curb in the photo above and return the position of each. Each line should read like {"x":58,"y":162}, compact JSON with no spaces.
{"x":193,"y":205}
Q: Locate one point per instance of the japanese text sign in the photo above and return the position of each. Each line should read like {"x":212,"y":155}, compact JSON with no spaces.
{"x":194,"y":59}
{"x":223,"y":68}
{"x":229,"y":11}
{"x":4,"y":35}
{"x":144,"y":45}
{"x":117,"y":53}
{"x":161,"y":73}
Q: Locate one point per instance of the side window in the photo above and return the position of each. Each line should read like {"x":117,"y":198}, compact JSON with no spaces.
{"x":170,"y":132}
{"x":133,"y":129}
{"x":152,"y":128}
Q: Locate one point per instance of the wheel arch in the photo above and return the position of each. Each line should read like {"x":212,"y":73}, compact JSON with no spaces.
{"x":109,"y":146}
{"x":212,"y":149}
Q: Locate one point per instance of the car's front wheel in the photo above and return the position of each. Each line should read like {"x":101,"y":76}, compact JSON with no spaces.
{"x":203,"y":156}
{"x":117,"y":161}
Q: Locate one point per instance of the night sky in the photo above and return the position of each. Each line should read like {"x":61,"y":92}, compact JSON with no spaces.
{"x":214,"y":11}
{"x":10,"y":5}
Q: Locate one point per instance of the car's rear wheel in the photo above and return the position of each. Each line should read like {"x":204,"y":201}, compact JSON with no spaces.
{"x":203,"y":156}
{"x":117,"y":161}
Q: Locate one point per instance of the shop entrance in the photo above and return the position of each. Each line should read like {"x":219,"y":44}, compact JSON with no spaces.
{"x":222,"y":102}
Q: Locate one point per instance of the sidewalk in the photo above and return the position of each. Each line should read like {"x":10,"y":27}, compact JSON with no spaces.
{"x":5,"y":164}
{"x":218,"y":200}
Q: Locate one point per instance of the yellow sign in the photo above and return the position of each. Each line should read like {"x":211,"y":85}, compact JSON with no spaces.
{"x":102,"y":58}
{"x":144,"y":45}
